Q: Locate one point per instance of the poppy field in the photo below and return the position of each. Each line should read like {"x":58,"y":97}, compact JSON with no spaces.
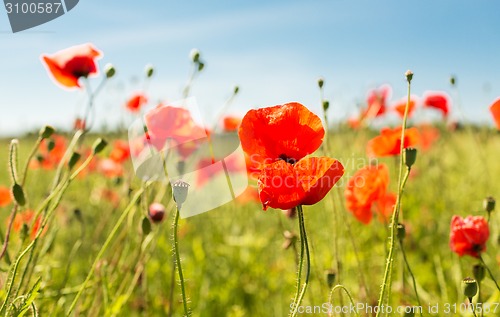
{"x":278,"y":212}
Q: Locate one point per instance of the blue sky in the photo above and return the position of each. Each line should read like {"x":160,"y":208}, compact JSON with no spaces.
{"x":274,"y":50}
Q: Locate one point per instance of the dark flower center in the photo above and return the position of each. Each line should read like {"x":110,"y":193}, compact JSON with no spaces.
{"x":287,"y":159}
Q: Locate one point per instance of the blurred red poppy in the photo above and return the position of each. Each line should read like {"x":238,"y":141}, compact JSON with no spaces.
{"x":437,"y":100}
{"x":388,"y":143}
{"x":384,"y":206}
{"x":68,"y":65}
{"x":377,"y":101}
{"x":120,"y":152}
{"x":495,"y":112}
{"x":468,"y":236}
{"x":79,"y":124}
{"x":280,"y":137}
{"x":231,"y":123}
{"x":400,"y":106}
{"x":365,"y":188}
{"x":136,"y":101}
{"x":110,"y":168}
{"x":232,"y":164}
{"x":5,"y":197}
{"x":51,"y":152}
{"x":25,"y":218}
{"x":428,"y":136}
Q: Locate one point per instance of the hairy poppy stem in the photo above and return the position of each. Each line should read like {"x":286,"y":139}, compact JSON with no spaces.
{"x":411,"y":274}
{"x":489,"y":272}
{"x":178,"y":263}
{"x":303,"y":237}
{"x":387,"y":281}
{"x":330,"y":298}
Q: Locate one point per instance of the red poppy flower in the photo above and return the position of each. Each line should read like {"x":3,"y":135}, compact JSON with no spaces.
{"x":468,"y":236}
{"x":384,"y":206}
{"x":135,"y":102}
{"x":278,"y":138}
{"x":79,"y":124}
{"x":68,"y":65}
{"x":232,"y":163}
{"x":400,"y":106}
{"x":51,"y":152}
{"x":495,"y":112}
{"x":437,"y":100}
{"x":365,"y":188}
{"x":110,"y":168}
{"x":377,"y":101}
{"x":287,"y":132}
{"x":174,"y":124}
{"x":156,"y":212}
{"x":5,"y":197}
{"x":26,"y":217}
{"x":428,"y":135}
{"x":230,"y":123}
{"x":388,"y":143}
{"x":120,"y":152}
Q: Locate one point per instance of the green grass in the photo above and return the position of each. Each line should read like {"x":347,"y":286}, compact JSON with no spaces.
{"x":233,"y":257}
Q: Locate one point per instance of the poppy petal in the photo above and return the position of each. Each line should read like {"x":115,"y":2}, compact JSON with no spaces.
{"x":495,"y":112}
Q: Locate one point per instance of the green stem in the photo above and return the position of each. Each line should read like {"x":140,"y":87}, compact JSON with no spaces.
{"x":303,"y":236}
{"x":178,"y":263}
{"x":397,"y":207}
{"x":489,"y":272}
{"x":342,"y":287}
{"x":301,"y":264}
{"x":411,"y":274}
{"x":105,"y":246}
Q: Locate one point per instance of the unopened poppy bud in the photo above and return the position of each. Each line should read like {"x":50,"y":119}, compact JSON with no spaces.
{"x":99,"y":145}
{"x":195,"y":55}
{"x":180,"y":191}
{"x":321,"y":82}
{"x":410,"y":156}
{"x":18,"y":193}
{"x":51,"y":145}
{"x":201,"y":65}
{"x":453,"y":80}
{"x":24,"y":231}
{"x":401,"y":231}
{"x":236,"y":90}
{"x":146,"y":226}
{"x":479,"y":272}
{"x":78,"y":214}
{"x":46,"y":132}
{"x":156,"y":212}
{"x":109,"y":70}
{"x":330,"y":278}
{"x":75,"y":157}
{"x":489,"y":204}
{"x":409,"y":75}
{"x":326,"y":105}
{"x":149,"y":70}
{"x":469,"y":287}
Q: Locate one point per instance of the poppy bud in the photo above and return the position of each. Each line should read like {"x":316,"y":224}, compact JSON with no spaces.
{"x":146,"y":226}
{"x":410,"y":156}
{"x":156,"y":212}
{"x":180,"y":191}
{"x":321,"y":81}
{"x":24,"y":231}
{"x":195,"y":55}
{"x":51,"y":145}
{"x":453,"y":80}
{"x":409,"y":75}
{"x":326,"y":105}
{"x":469,"y":287}
{"x":401,"y":232}
{"x":149,"y":70}
{"x":18,"y":193}
{"x":236,"y":90}
{"x":478,"y":271}
{"x":109,"y":70}
{"x":75,"y":157}
{"x":46,"y":132}
{"x":201,"y":65}
{"x":330,"y":278}
{"x":99,"y":145}
{"x":489,"y":204}
{"x":78,"y":214}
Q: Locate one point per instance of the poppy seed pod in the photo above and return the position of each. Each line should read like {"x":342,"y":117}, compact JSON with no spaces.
{"x":469,"y":287}
{"x":180,"y":191}
{"x":330,"y":277}
{"x":156,"y":212}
